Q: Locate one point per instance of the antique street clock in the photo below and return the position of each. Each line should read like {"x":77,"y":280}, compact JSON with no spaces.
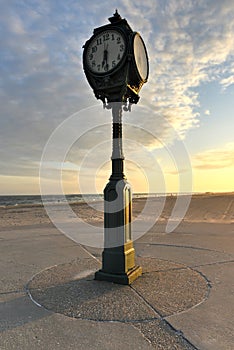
{"x":116,"y":65}
{"x":115,"y":62}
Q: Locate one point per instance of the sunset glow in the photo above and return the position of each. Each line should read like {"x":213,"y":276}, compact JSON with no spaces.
{"x":187,"y":103}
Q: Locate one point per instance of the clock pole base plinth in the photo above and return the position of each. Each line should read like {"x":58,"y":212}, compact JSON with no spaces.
{"x":125,"y":278}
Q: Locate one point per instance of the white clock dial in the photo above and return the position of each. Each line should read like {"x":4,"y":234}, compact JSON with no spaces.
{"x":105,"y":51}
{"x":141,"y":57}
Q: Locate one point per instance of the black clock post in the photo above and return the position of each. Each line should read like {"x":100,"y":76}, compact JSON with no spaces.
{"x":116,"y":65}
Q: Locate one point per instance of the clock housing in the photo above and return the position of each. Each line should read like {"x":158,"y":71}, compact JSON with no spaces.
{"x":115,"y":62}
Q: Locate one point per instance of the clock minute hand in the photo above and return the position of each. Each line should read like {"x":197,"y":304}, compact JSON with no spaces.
{"x":106,"y":58}
{"x":105,"y":55}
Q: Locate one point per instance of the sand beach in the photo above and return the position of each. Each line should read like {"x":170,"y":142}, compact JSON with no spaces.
{"x":209,"y":207}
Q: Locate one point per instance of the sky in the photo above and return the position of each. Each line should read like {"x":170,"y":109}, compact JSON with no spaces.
{"x":179,"y":137}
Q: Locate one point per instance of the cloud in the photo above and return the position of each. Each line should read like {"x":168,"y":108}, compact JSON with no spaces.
{"x":218,"y":158}
{"x":226,"y":82}
{"x":189,"y":43}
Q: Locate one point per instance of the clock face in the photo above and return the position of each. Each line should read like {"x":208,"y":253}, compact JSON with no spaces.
{"x":105,"y":51}
{"x":141,"y":58}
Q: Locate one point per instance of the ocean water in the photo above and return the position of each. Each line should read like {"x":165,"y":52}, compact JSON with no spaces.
{"x":17,"y":200}
{"x":53,"y":199}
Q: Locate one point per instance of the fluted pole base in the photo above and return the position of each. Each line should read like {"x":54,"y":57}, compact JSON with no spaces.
{"x":118,"y":257}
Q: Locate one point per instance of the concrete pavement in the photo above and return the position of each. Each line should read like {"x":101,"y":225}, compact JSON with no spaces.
{"x":185,"y":299}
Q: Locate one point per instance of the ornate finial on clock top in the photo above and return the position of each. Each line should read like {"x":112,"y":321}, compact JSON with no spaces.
{"x":116,"y":17}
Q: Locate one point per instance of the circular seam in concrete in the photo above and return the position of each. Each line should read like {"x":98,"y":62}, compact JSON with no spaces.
{"x":165,"y":289}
